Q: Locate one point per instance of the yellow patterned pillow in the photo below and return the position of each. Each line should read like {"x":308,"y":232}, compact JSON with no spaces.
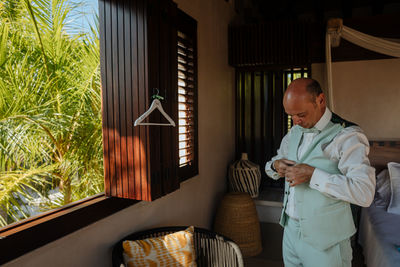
{"x":176,"y":249}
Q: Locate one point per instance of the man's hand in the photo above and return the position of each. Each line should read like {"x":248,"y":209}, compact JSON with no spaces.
{"x":281,"y":165}
{"x":299,"y":174}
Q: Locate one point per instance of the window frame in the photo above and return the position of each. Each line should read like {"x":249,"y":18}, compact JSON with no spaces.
{"x":61,"y":221}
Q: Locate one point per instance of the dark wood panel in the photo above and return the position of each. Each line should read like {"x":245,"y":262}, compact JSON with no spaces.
{"x":103,"y":62}
{"x":108,"y":116}
{"x":116,"y":186}
{"x":170,"y":154}
{"x":288,"y":43}
{"x":143,"y":87}
{"x":252,"y":113}
{"x":154,"y":44}
{"x":270,"y":43}
{"x":134,"y":186}
{"x":124,"y":89}
{"x":278,"y":108}
{"x":268,"y":129}
{"x":248,"y":106}
{"x":257,"y":114}
{"x":122,"y":28}
{"x":128,"y":51}
{"x":163,"y":70}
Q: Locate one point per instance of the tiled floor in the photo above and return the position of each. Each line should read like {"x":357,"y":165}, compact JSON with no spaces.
{"x":271,"y":256}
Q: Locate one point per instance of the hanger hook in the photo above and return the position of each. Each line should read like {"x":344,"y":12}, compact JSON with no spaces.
{"x":157,"y":96}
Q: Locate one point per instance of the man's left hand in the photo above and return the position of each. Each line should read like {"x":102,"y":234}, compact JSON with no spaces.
{"x":299,"y":174}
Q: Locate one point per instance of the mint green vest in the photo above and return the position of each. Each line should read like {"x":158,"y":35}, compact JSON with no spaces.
{"x":324,"y":221}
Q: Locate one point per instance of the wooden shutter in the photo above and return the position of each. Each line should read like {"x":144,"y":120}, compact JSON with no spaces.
{"x":138,"y":54}
{"x":274,"y":43}
{"x":187,"y":96}
{"x":162,"y":61}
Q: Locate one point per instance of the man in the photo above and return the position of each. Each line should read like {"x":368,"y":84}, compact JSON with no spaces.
{"x":324,"y":161}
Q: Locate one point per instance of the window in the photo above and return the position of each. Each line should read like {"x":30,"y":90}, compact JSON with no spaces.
{"x":125,"y":51}
{"x":50,"y":128}
{"x":187,"y":97}
{"x":261,"y":121}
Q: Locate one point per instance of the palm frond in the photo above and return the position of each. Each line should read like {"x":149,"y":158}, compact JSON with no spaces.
{"x":50,"y":107}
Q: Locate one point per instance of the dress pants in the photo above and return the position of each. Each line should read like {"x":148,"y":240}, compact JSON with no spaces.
{"x":296,"y":252}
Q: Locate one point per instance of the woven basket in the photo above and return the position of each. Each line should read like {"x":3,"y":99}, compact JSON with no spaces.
{"x":237,"y":219}
{"x":245,"y":176}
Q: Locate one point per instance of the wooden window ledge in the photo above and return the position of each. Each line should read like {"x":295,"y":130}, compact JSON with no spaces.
{"x":22,"y":237}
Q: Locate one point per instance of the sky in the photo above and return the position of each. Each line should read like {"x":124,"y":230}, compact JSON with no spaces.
{"x":89,"y":9}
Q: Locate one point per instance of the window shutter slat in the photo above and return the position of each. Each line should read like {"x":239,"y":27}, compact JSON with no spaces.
{"x":187,"y":96}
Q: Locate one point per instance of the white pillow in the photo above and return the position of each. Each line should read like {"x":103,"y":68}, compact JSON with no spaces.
{"x":394,"y":173}
{"x":383,"y":192}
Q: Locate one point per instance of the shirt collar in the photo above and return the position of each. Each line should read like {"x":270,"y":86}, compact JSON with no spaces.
{"x":324,"y":120}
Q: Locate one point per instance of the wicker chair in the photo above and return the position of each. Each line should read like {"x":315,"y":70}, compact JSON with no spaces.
{"x":211,"y":248}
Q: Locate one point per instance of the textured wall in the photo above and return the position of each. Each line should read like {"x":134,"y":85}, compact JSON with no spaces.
{"x":367,"y":93}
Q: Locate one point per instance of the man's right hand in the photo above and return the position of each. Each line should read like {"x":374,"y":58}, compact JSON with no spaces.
{"x":280,"y":166}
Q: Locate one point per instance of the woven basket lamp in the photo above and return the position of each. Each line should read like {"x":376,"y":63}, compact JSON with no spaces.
{"x":237,"y":219}
{"x":245,"y":176}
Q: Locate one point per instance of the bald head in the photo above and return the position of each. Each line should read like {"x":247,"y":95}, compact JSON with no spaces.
{"x":304,"y":101}
{"x":304,"y":88}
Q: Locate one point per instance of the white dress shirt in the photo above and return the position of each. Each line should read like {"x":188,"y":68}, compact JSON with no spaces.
{"x":350,"y":149}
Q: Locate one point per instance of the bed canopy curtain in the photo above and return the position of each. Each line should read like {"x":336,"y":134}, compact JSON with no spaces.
{"x":336,"y":30}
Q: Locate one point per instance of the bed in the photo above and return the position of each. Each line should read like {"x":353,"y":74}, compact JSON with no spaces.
{"x":379,"y":230}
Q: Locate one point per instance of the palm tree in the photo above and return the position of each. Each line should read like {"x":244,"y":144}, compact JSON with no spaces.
{"x":50,"y":109}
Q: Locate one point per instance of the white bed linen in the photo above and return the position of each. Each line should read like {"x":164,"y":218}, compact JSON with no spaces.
{"x":379,"y":234}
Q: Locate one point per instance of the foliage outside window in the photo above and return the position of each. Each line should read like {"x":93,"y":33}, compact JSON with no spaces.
{"x":50,"y":108}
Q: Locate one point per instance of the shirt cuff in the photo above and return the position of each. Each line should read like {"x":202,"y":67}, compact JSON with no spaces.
{"x":319,"y":180}
{"x":274,"y":175}
{"x":272,"y":166}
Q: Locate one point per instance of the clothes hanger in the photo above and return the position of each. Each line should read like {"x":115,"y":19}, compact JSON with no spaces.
{"x":156,"y":104}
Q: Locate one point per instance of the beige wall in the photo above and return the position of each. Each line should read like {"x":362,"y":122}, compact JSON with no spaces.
{"x":194,"y":203}
{"x":367,"y":93}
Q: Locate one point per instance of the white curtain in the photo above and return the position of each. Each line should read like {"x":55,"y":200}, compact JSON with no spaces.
{"x":375,"y":44}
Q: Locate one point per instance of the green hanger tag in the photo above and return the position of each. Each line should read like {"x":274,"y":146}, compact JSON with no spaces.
{"x":158,"y":97}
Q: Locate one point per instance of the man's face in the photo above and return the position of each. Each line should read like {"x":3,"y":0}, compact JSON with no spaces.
{"x":305,"y":113}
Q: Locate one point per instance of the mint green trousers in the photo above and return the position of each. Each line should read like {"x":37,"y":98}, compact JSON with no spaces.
{"x":296,"y":252}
